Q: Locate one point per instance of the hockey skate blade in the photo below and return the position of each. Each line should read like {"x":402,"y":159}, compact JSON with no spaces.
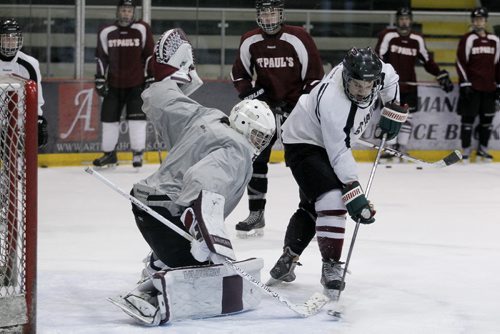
{"x":274,"y":282}
{"x":255,"y":233}
{"x":130,"y":310}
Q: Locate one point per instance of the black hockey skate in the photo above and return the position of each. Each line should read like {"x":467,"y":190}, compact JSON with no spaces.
{"x":284,"y":269}
{"x":483,"y":155}
{"x":331,"y":278}
{"x":252,"y":226}
{"x":109,"y":159}
{"x":137,"y":159}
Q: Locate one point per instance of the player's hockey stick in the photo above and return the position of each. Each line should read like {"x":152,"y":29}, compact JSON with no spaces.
{"x":422,"y":84}
{"x":338,"y":313}
{"x":311,"y":307}
{"x":448,"y":160}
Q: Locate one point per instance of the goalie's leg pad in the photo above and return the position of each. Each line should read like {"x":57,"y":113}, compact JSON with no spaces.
{"x":207,"y":291}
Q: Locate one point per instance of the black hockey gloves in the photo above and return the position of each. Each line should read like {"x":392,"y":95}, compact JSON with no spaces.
{"x":358,"y":206}
{"x":391,"y":118}
{"x":443,"y":78}
{"x":43,"y":133}
{"x":255,"y":93}
{"x":466,"y":91}
{"x":148,"y":81}
{"x":101,"y":86}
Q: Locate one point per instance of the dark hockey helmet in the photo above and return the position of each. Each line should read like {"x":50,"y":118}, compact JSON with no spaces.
{"x":270,"y":14}
{"x":126,"y":3}
{"x":479,"y":12}
{"x":11,"y":37}
{"x":362,"y":75}
{"x":404,"y":29}
{"x":124,"y":18}
{"x":404,"y":11}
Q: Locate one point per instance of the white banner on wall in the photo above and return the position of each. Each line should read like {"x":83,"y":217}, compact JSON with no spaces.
{"x":436,"y":126}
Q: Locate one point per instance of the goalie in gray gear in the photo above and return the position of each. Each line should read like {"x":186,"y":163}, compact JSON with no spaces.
{"x":317,"y":138}
{"x":200,"y":182}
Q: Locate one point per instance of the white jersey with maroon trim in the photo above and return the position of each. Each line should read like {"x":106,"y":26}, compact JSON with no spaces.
{"x":478,"y":61}
{"x":327,"y":118}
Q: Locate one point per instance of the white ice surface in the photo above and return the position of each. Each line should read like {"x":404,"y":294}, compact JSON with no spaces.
{"x":429,"y":264}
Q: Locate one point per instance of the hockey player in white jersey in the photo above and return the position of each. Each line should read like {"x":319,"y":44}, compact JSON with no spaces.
{"x":200,"y":182}
{"x":317,"y":137}
{"x":14,"y":61}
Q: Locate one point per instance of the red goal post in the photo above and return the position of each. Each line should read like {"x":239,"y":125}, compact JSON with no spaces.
{"x":18,"y":204}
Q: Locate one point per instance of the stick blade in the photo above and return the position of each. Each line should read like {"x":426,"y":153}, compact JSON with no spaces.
{"x":313,"y":305}
{"x":452,"y":158}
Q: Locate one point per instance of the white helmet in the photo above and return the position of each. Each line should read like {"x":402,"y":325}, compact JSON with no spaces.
{"x":254,"y":120}
{"x":173,"y":57}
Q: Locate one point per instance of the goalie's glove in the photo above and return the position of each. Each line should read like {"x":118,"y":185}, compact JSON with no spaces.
{"x":256,"y":93}
{"x":101,"y":85}
{"x":443,"y":78}
{"x":391,"y":118}
{"x":359,"y":208}
{"x":148,"y":81}
{"x":43,"y":133}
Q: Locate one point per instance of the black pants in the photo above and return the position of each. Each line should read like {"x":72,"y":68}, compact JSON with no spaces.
{"x":116,"y":99}
{"x":171,"y":248}
{"x":315,"y":176}
{"x":477,"y":103}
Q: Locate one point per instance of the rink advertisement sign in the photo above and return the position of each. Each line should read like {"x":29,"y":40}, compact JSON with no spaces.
{"x":73,"y":112}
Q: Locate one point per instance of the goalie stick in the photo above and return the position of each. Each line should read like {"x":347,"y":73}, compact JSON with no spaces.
{"x":311,"y":307}
{"x":448,"y":160}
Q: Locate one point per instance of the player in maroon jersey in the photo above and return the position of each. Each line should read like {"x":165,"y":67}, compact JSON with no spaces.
{"x":286,"y":64}
{"x":123,"y":55}
{"x":478,"y":70}
{"x":402,"y":48}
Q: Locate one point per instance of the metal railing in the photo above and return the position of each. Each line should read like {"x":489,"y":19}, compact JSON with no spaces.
{"x":64,"y":37}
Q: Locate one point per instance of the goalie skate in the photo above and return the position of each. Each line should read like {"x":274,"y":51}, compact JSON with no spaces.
{"x":138,"y":308}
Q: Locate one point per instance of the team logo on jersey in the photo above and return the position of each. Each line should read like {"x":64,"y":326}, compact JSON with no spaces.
{"x":124,"y":42}
{"x":483,"y":50}
{"x":403,"y":51}
{"x":364,"y":122}
{"x":275,"y":62}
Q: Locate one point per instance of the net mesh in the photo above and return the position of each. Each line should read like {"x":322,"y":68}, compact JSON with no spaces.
{"x":12,"y":197}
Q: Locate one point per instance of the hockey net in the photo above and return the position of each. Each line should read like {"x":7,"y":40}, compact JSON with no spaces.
{"x":18,"y":204}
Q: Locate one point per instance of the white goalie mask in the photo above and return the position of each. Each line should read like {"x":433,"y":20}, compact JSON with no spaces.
{"x":173,"y":57}
{"x":254,"y":120}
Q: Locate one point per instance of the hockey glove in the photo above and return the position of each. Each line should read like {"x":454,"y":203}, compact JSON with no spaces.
{"x":43,"y":133}
{"x":254,"y":93}
{"x":466,"y":90}
{"x":391,"y":118}
{"x":148,"y":81}
{"x":443,"y":78}
{"x":101,"y":86}
{"x":357,"y":205}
